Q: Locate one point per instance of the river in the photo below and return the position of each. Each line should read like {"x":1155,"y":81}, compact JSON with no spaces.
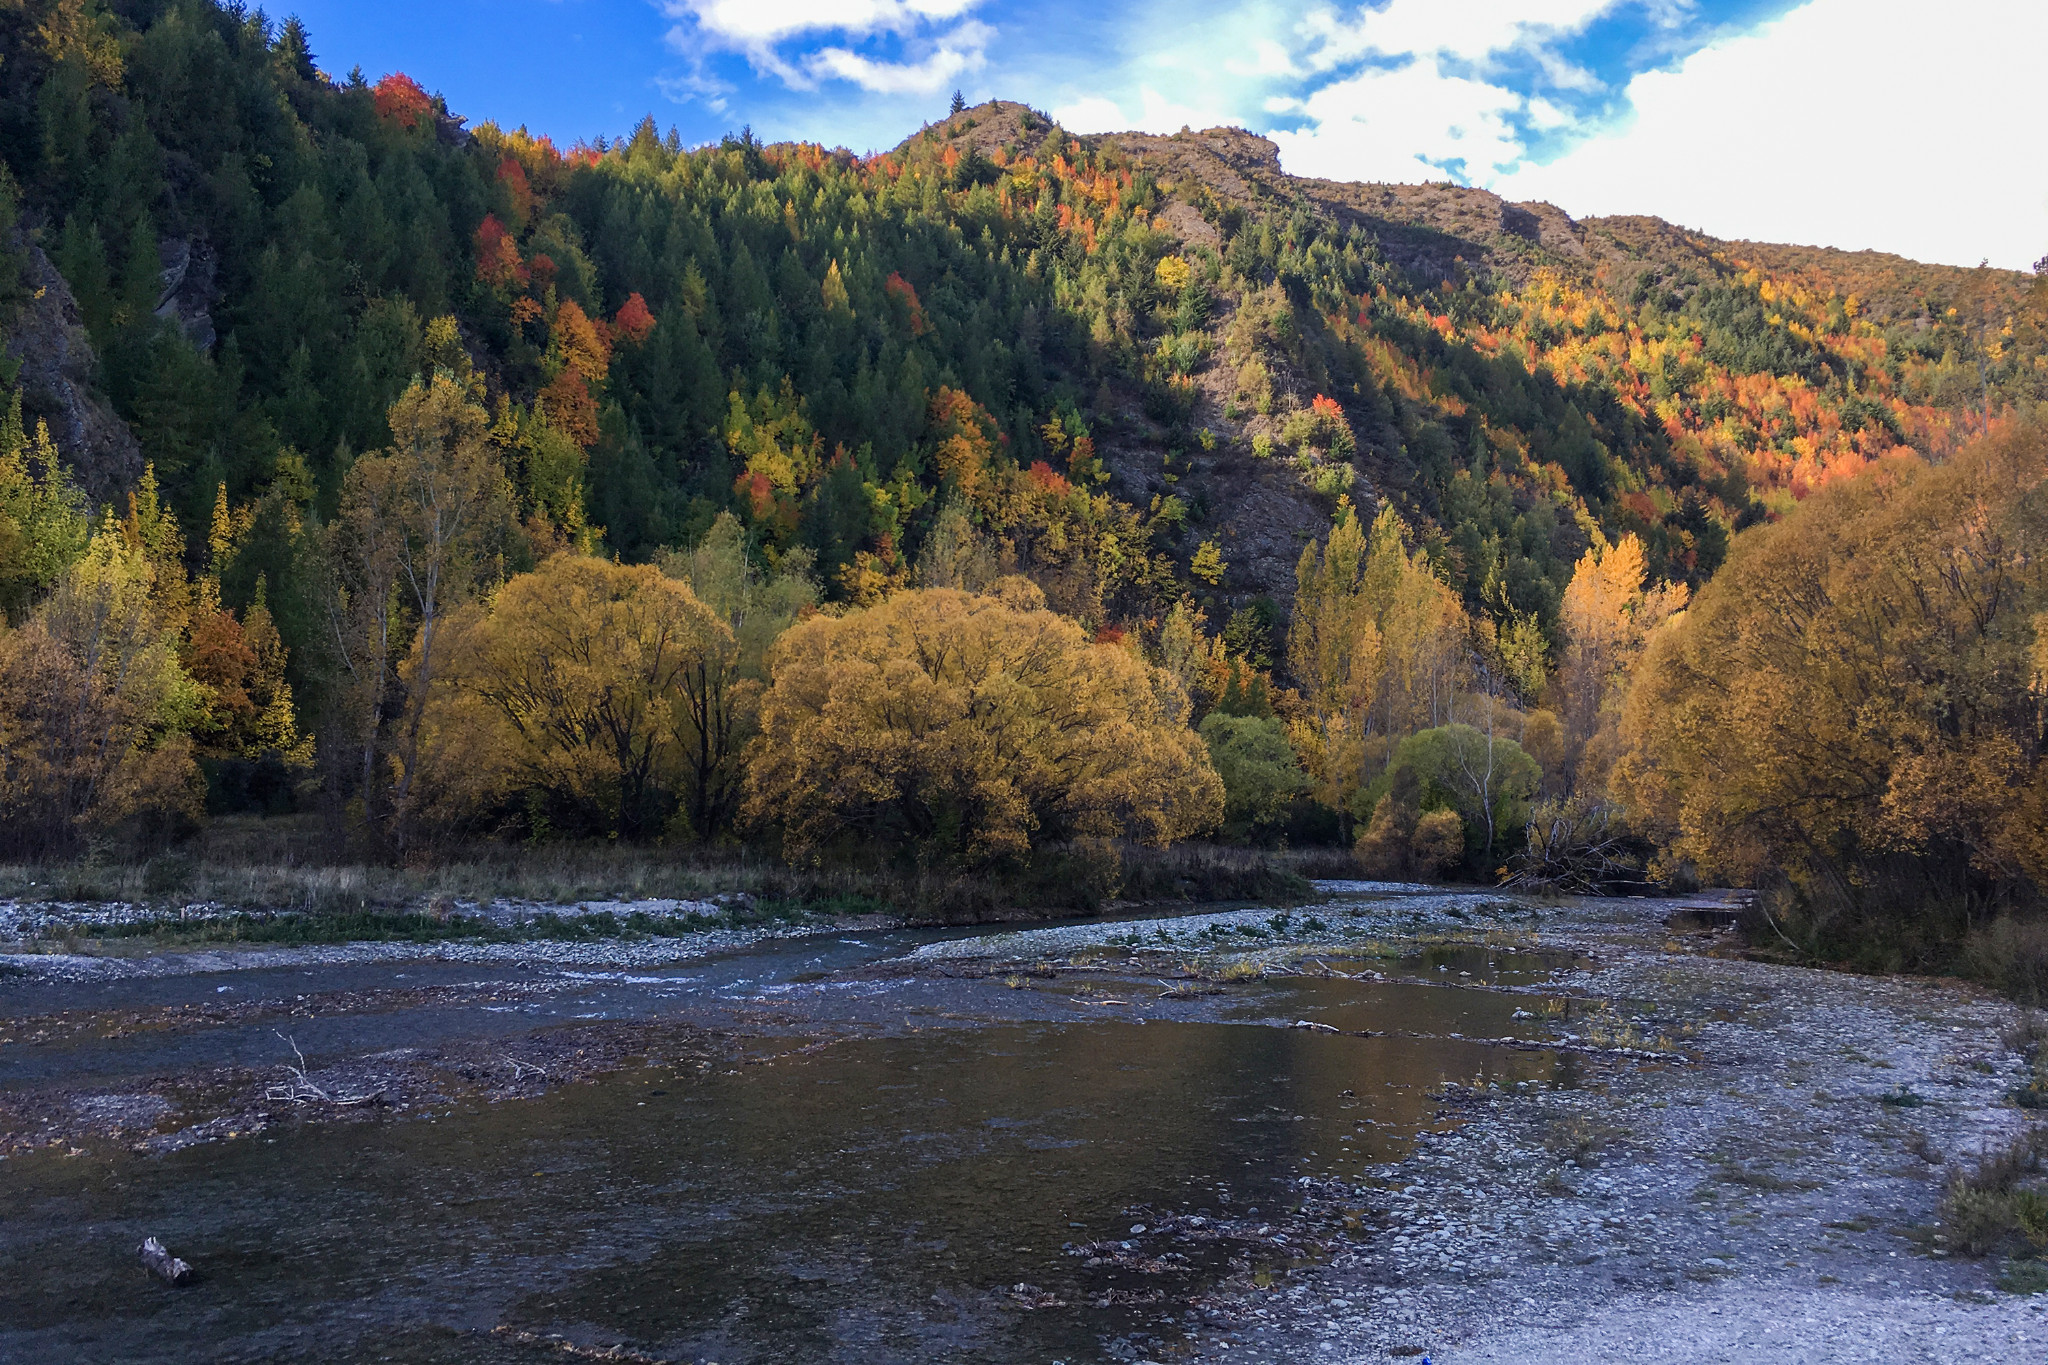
{"x":848,"y":1146}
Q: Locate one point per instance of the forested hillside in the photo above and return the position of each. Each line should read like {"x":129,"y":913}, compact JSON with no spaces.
{"x":259,"y":255}
{"x":1353,"y":465}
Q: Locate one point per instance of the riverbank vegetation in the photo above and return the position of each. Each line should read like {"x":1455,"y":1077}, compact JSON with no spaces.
{"x":746,"y":517}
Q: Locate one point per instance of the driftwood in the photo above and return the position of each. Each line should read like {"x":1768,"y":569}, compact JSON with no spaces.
{"x":166,"y":1267}
{"x":1576,"y":848}
{"x":297,"y":1088}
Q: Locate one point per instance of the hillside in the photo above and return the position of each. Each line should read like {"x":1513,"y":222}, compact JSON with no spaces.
{"x":1107,"y":353}
{"x":1792,"y":364}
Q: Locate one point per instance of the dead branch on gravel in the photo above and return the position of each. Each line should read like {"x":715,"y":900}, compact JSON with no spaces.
{"x":298,"y":1088}
{"x":1576,"y":847}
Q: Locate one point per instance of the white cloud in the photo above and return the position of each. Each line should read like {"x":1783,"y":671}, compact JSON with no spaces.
{"x":1403,"y":124}
{"x":1469,"y":31}
{"x":696,"y":84}
{"x":1886,"y":124}
{"x":1268,"y":59}
{"x":761,"y":28}
{"x":1155,"y":114}
{"x":958,"y":52}
{"x":1547,"y":117}
{"x":1426,"y":98}
{"x":747,"y":23}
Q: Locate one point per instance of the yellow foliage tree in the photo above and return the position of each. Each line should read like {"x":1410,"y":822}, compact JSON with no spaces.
{"x":571,"y":692}
{"x":95,"y":709}
{"x":43,"y":521}
{"x":1607,"y":615}
{"x":1379,"y":645}
{"x":1173,"y":273}
{"x":1851,"y":691}
{"x":414,"y":539}
{"x":972,"y":728}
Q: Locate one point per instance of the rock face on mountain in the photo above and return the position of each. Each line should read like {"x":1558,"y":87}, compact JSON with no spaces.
{"x":58,"y":371}
{"x":188,"y":289}
{"x":1220,"y":457}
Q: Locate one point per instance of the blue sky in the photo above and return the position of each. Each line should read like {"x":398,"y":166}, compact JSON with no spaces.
{"x":1887,"y":124}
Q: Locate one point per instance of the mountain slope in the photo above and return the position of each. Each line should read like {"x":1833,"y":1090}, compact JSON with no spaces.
{"x":1132,"y":367}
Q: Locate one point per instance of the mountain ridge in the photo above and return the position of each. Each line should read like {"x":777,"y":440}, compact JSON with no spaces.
{"x":1245,"y":166}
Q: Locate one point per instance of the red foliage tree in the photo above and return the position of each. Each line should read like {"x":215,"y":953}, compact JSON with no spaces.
{"x":633,"y":321}
{"x":905,"y":292}
{"x":401,"y":100}
{"x":759,"y":493}
{"x":497,"y":256}
{"x":1048,"y":480}
{"x":512,"y":176}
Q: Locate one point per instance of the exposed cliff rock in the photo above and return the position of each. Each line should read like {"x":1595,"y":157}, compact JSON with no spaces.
{"x":188,"y":290}
{"x":58,"y":368}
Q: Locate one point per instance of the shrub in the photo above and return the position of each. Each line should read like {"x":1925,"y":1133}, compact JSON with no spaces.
{"x":1261,"y":775}
{"x":1999,"y":1207}
{"x":970,"y":728}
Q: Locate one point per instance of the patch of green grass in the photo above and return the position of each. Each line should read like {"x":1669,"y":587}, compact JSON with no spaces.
{"x":2001,"y":1205}
{"x":1734,"y":1173}
{"x":2024,"y":1276}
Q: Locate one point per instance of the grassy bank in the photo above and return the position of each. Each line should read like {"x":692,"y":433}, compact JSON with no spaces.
{"x":265,"y":880}
{"x":1908,"y":926}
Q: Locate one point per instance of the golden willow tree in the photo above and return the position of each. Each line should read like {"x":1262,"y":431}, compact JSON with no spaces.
{"x":971,"y":729}
{"x":1857,"y":700}
{"x":1380,"y":647}
{"x":569,"y":700}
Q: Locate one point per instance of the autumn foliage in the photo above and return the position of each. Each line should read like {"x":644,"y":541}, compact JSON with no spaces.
{"x":1856,"y":702}
{"x":972,"y":728}
{"x":401,"y":100}
{"x":633,"y":322}
{"x":566,"y":700}
{"x":497,"y":255}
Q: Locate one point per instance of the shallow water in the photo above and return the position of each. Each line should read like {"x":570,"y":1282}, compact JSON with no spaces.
{"x":877,"y":1199}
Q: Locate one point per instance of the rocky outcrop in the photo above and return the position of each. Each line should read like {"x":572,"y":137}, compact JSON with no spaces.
{"x":58,"y":368}
{"x":187,"y":292}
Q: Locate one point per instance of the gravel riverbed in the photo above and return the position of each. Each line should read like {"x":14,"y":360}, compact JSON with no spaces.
{"x":1742,"y":1162}
{"x":1767,"y":1193}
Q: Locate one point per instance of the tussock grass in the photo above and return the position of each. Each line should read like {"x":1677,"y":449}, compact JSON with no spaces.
{"x":261,"y":870}
{"x":2001,"y":1205}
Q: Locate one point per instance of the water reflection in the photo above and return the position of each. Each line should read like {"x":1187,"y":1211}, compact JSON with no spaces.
{"x":879,"y":1200}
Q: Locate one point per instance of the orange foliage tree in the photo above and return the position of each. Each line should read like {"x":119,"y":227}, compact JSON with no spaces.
{"x":400,"y":100}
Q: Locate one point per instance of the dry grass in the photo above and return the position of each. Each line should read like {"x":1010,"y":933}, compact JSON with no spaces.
{"x":282,"y":864}
{"x":2000,"y":1205}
